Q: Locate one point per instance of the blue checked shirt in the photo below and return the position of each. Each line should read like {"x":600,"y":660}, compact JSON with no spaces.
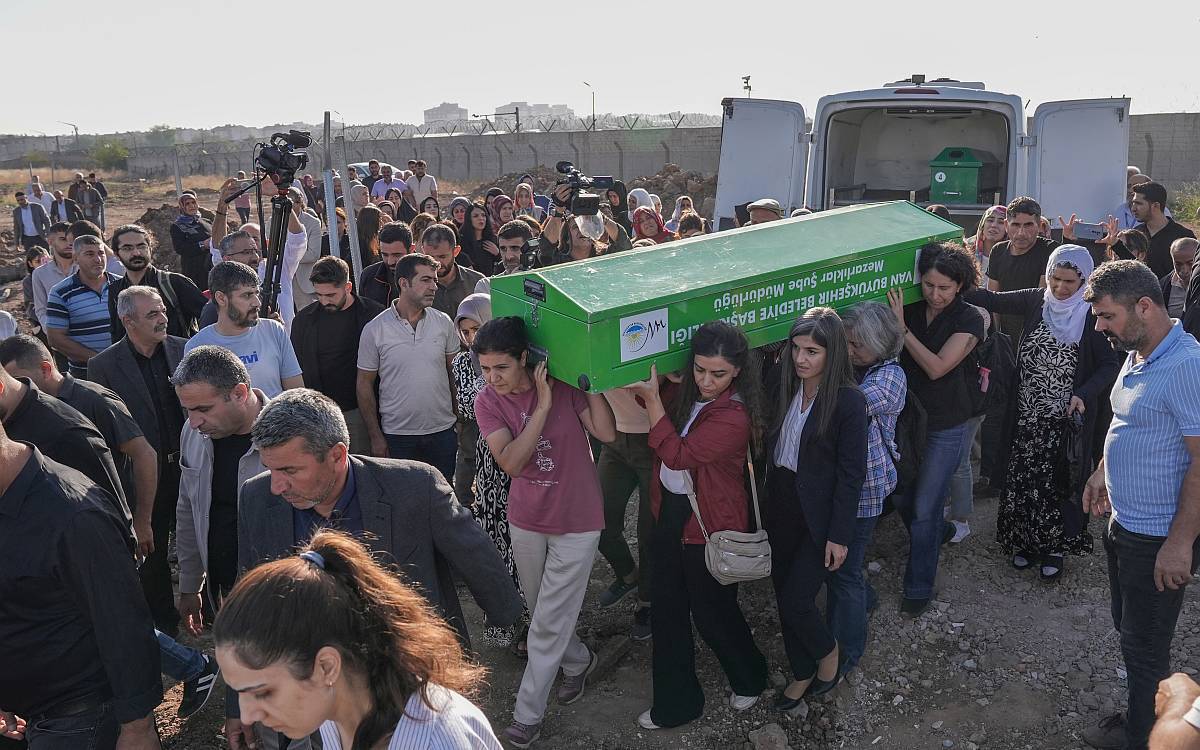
{"x":885,"y":387}
{"x":1156,"y":404}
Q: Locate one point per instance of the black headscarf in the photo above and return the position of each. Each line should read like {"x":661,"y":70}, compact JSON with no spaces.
{"x":621,"y":210}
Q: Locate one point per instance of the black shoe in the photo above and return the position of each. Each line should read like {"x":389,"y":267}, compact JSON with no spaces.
{"x":820,"y":687}
{"x":1108,"y":734}
{"x":914,"y":607}
{"x":1023,"y":560}
{"x":616,"y":591}
{"x":786,"y":704}
{"x":641,"y":624}
{"x":1054,"y":564}
{"x":197,"y":690}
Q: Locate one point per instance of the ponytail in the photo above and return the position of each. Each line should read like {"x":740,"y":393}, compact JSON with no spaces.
{"x":335,"y":594}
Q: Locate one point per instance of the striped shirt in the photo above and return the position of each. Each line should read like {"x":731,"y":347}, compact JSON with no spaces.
{"x":456,"y":724}
{"x":1156,"y":404}
{"x":884,"y":386}
{"x":76,"y":307}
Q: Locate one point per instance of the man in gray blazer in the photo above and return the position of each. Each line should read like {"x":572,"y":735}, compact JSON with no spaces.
{"x":30,"y":222}
{"x":403,"y":510}
{"x":138,"y":369}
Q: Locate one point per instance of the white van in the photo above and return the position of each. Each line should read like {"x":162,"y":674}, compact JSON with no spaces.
{"x":877,"y":145}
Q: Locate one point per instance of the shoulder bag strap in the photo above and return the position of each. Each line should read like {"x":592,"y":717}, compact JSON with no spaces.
{"x":695,"y":507}
{"x":753,"y":489}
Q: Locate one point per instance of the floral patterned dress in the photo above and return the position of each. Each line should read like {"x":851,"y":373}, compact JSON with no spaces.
{"x":1030,"y":517}
{"x":491,"y":484}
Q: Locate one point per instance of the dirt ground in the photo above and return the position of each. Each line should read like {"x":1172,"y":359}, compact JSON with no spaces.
{"x":1002,"y":661}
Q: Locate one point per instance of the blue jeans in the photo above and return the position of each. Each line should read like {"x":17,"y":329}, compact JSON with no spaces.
{"x":438,"y":449}
{"x":962,"y":482}
{"x":847,"y":596}
{"x":178,"y":661}
{"x":922,"y":508}
{"x":90,"y":730}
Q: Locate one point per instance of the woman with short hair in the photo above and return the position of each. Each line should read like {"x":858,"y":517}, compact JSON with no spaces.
{"x":874,"y":341}
{"x":940,"y":330}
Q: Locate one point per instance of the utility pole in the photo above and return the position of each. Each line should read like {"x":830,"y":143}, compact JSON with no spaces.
{"x":746,"y":84}
{"x":585,"y":83}
{"x":73,"y":126}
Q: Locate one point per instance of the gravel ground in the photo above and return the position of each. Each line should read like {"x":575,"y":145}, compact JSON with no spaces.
{"x":1002,"y":660}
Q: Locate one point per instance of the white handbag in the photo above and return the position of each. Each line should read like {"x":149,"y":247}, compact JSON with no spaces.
{"x":735,"y":556}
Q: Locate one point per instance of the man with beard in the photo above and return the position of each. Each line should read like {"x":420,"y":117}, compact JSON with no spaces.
{"x":326,"y":335}
{"x":1149,"y":204}
{"x":64,"y":209}
{"x":409,"y":348}
{"x":454,"y":283}
{"x":1149,"y":478}
{"x":511,"y":239}
{"x":377,"y":281}
{"x":261,"y":344}
{"x":184,"y":302}
{"x":77,"y":316}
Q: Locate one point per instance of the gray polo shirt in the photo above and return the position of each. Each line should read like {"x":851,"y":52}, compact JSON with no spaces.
{"x":414,"y":384}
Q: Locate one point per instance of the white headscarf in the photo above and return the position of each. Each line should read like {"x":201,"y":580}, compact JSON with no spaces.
{"x":1066,"y":317}
{"x":677,"y":214}
{"x":642,"y":196}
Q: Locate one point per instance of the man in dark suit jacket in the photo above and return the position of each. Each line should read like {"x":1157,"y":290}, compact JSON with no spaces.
{"x":138,"y":368}
{"x":404,"y":511}
{"x":64,"y":209}
{"x":30,"y":222}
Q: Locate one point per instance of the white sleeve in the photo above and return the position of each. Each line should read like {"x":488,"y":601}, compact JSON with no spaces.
{"x":215,"y":252}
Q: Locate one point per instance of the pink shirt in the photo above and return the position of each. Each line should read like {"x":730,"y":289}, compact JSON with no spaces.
{"x":558,"y":491}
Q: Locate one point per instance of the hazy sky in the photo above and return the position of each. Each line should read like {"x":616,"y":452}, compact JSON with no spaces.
{"x":202,"y":64}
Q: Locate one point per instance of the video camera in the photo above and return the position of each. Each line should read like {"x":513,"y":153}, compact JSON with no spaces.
{"x":582,"y":202}
{"x":284,"y":157}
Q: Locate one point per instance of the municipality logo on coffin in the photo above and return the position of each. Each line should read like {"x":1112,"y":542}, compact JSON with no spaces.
{"x":644,"y":334}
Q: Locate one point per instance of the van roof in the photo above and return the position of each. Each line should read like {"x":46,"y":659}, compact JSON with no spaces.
{"x":906,"y":91}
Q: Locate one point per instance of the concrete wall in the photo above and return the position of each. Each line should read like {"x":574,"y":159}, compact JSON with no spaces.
{"x":478,"y":158}
{"x":1167,"y":146}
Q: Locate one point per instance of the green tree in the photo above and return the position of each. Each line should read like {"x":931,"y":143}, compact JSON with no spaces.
{"x":161,"y":135}
{"x":36,"y":159}
{"x":110,"y":155}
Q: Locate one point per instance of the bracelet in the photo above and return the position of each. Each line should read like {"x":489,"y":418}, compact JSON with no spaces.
{"x":220,"y":213}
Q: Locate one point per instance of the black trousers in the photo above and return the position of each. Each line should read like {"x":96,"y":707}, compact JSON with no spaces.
{"x":798,"y":572}
{"x":1145,"y":617}
{"x":625,"y":465}
{"x":156,"y":571}
{"x":33,"y":240}
{"x":684,"y":592}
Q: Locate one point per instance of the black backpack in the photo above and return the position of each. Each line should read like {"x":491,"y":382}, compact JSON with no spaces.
{"x":912,"y":427}
{"x":990,"y":372}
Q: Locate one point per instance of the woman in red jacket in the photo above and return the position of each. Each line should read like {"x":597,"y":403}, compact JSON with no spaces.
{"x":700,"y":441}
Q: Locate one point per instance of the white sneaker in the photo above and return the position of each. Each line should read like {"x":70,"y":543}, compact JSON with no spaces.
{"x":645,"y":722}
{"x":741,"y":702}
{"x":962,"y":530}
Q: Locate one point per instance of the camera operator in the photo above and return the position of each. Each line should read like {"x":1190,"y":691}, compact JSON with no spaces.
{"x":573,"y":244}
{"x":247,"y":250}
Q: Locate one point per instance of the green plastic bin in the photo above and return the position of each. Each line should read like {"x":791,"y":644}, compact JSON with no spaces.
{"x":958,"y":174}
{"x":604,"y":321}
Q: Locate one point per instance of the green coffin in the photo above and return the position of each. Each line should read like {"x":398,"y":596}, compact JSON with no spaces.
{"x":602,"y":322}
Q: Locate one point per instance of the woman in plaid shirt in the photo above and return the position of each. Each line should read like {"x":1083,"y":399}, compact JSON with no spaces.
{"x":874,"y":339}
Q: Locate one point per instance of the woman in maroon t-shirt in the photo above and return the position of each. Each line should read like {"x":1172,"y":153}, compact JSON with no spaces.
{"x":537,"y":429}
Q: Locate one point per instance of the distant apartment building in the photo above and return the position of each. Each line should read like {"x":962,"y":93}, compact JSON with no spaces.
{"x":446,"y":111}
{"x":537,"y":110}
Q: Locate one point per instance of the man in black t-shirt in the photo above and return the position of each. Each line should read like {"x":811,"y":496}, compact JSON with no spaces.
{"x":1020,"y":261}
{"x":1148,"y":206}
{"x":325,"y":335}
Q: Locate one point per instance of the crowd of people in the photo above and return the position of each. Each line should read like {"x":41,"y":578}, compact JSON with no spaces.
{"x":314,"y":479}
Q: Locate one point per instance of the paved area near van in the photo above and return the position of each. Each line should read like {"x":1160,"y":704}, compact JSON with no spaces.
{"x":1002,"y":661}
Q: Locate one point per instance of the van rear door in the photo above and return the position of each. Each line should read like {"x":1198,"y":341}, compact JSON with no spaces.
{"x":1078,"y":151}
{"x":764,"y":154}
